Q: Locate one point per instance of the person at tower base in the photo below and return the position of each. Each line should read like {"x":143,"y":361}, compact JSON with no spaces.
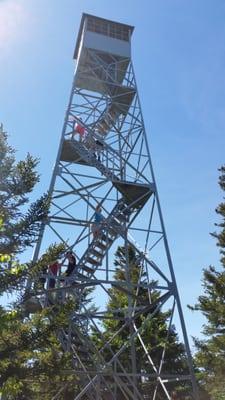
{"x":71,"y":263}
{"x":53,"y":271}
{"x":42,"y":278}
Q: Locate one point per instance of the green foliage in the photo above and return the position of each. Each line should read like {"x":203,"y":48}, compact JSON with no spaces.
{"x":19,"y":220}
{"x":32,"y":362}
{"x":154,"y":331}
{"x":14,"y":278}
{"x":19,"y":228}
{"x":210,"y":356}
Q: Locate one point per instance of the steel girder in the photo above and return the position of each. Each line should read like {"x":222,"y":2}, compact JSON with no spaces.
{"x":118,"y":175}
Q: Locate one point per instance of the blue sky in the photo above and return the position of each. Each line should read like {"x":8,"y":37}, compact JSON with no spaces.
{"x":179,"y":59}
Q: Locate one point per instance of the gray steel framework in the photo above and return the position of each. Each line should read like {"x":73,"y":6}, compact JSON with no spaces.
{"x":112,"y":167}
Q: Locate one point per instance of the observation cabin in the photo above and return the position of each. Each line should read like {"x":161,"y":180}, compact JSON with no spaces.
{"x":108,"y":39}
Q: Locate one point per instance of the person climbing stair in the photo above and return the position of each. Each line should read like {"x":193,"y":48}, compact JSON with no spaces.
{"x":98,"y":218}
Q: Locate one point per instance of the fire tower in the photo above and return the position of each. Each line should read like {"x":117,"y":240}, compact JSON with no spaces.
{"x":104,"y":160}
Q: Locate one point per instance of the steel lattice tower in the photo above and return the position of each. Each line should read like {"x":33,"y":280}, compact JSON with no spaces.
{"x":112,"y":167}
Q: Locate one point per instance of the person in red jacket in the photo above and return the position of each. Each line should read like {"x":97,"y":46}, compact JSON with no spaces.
{"x":53,"y":272}
{"x":78,"y":128}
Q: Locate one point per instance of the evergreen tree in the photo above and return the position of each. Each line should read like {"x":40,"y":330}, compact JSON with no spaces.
{"x":19,"y":220}
{"x":155,"y":331}
{"x":19,"y":226}
{"x":32,"y":362}
{"x":210,"y":357}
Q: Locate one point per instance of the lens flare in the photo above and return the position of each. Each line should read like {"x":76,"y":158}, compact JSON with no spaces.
{"x":12,"y":20}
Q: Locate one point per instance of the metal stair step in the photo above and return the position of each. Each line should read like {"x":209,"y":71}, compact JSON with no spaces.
{"x":104,"y":122}
{"x":89,"y":158}
{"x":96,"y":253}
{"x":114,"y":225}
{"x":87,"y":269}
{"x":93,"y":256}
{"x":112,"y":231}
{"x":92,"y":261}
{"x":106,"y":238}
{"x":101,"y":245}
{"x":122,"y":217}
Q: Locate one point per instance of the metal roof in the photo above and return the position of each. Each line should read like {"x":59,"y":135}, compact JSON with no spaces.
{"x":84,"y":15}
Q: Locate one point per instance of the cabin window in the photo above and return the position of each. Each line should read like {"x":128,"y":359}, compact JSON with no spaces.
{"x":108,"y":29}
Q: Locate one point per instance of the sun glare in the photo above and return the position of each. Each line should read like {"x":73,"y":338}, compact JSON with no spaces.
{"x":12,"y":19}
